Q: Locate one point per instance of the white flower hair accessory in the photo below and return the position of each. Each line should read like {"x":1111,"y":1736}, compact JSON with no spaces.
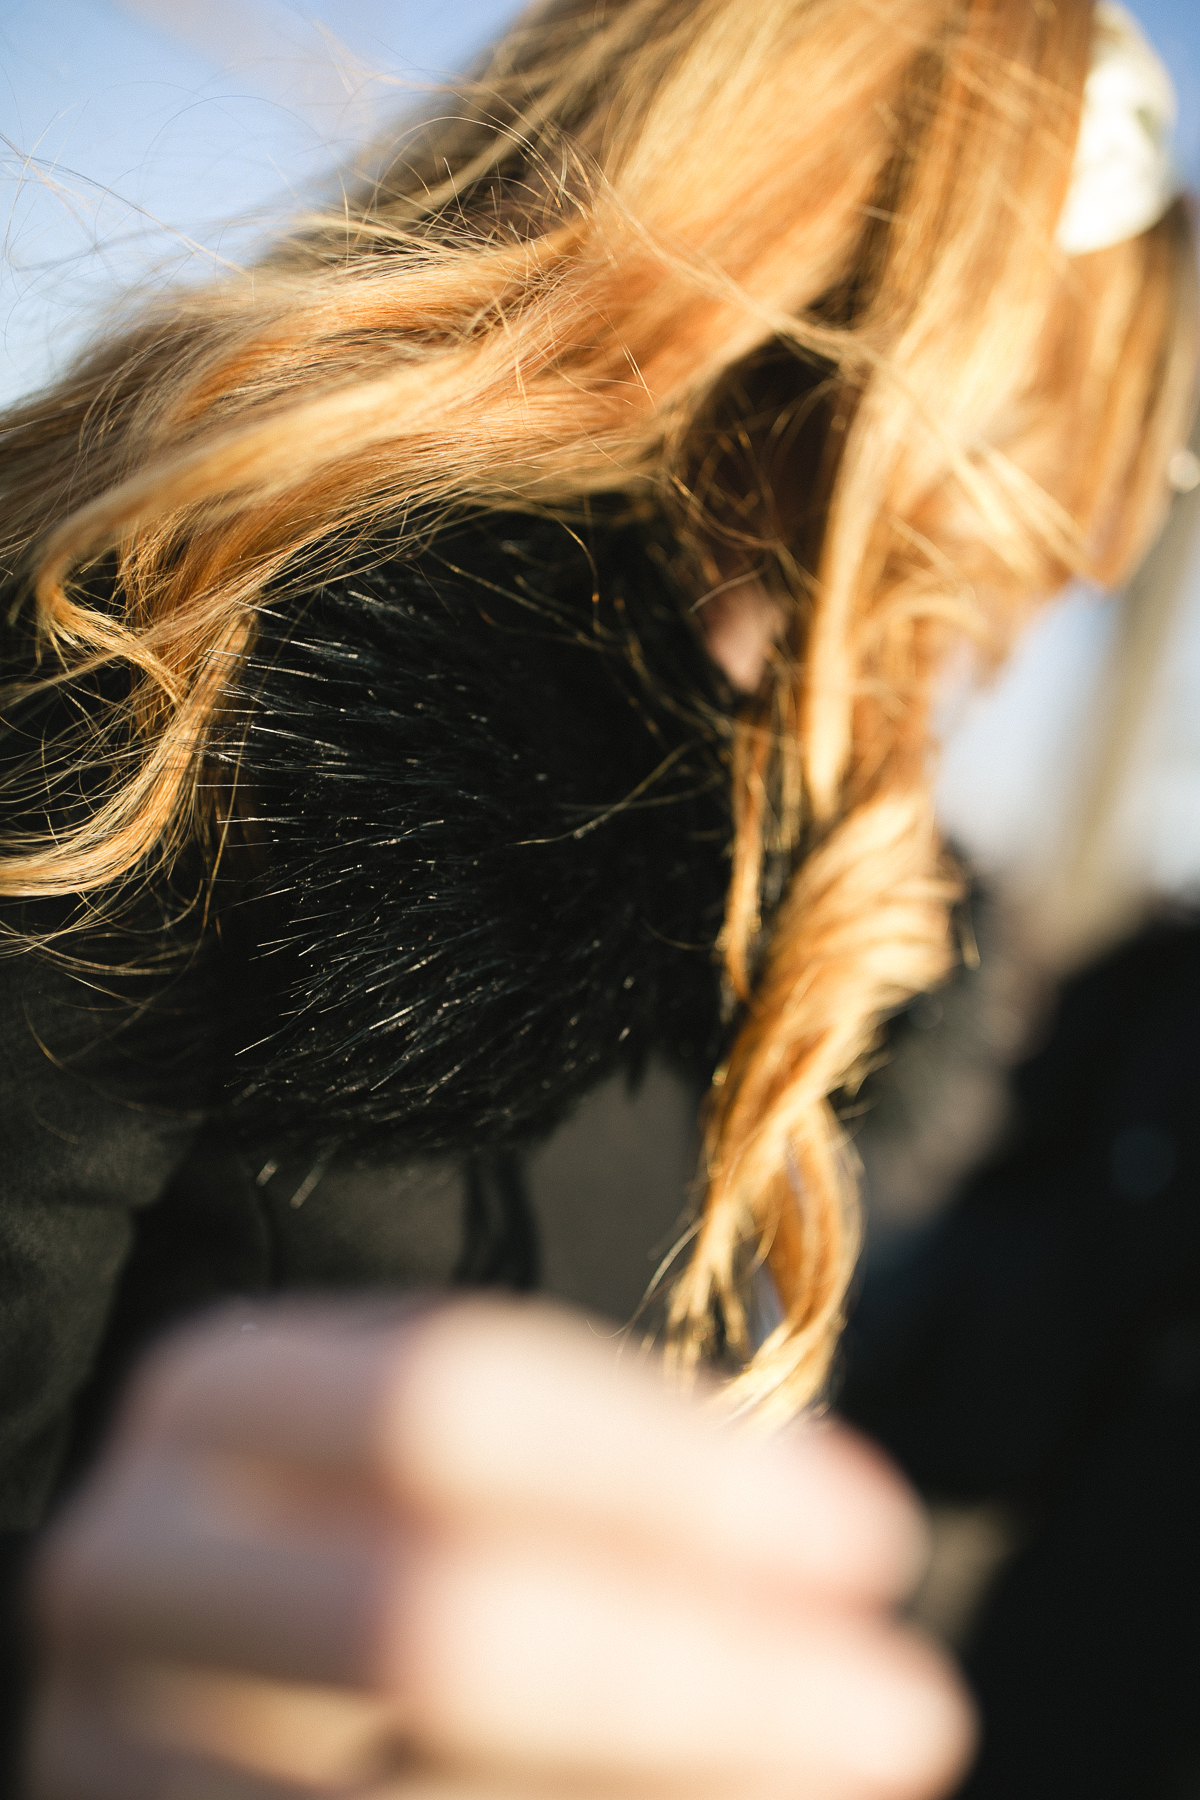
{"x":1124,"y":177}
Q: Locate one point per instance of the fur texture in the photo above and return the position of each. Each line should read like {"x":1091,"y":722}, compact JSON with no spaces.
{"x":490,"y":786}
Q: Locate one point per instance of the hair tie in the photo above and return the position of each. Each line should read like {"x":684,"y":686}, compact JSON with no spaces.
{"x":1124,"y":177}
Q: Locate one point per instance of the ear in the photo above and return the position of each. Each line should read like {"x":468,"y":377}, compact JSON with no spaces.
{"x":741,"y":623}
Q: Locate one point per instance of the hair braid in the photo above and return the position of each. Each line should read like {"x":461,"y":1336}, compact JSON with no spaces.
{"x":861,"y":928}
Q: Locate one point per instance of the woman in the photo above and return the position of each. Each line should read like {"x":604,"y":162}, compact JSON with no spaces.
{"x":396,"y":629}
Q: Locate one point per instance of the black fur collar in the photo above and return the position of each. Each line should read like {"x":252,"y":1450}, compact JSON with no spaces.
{"x":492,"y":788}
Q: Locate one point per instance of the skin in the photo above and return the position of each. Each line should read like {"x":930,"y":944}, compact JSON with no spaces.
{"x":741,"y":624}
{"x":471,"y":1551}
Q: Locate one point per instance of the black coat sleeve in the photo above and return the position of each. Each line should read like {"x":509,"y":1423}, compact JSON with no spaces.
{"x":91,"y":1129}
{"x":88,"y":1137}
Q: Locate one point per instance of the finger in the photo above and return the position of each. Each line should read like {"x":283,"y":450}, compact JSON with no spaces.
{"x":186,"y":1559}
{"x":323,"y":1737}
{"x":325,"y":1741}
{"x":423,"y":1782}
{"x":79,"y":1751}
{"x":504,"y":1409}
{"x":82,"y":1753}
{"x":510,"y":1655}
{"x":498,"y":1408}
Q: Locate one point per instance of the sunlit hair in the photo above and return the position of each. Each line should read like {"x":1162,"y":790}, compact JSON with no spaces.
{"x":784,"y":269}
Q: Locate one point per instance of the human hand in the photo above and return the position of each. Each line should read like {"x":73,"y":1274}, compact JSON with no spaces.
{"x":460,"y":1552}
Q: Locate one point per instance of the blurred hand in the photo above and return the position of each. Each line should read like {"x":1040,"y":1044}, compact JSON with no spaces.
{"x":462,"y":1552}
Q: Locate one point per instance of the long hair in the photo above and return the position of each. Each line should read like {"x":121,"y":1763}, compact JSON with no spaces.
{"x":788,"y":271}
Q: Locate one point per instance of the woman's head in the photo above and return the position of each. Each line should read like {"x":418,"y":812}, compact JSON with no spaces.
{"x":788,"y":272}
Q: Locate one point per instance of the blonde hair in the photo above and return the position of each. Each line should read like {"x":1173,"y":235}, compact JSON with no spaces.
{"x":583,"y":274}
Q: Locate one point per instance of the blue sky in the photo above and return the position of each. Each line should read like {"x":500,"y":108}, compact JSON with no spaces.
{"x":135,"y":129}
{"x":1174,"y":26}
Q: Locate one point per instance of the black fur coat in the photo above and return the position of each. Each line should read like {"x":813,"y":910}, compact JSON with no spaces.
{"x":488,"y":786}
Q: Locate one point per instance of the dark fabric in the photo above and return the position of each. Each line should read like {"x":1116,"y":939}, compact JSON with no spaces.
{"x":1040,"y":1345}
{"x":501,"y":1246}
{"x":1087,"y":1658}
{"x":16,"y":1658}
{"x":82,"y":1155}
